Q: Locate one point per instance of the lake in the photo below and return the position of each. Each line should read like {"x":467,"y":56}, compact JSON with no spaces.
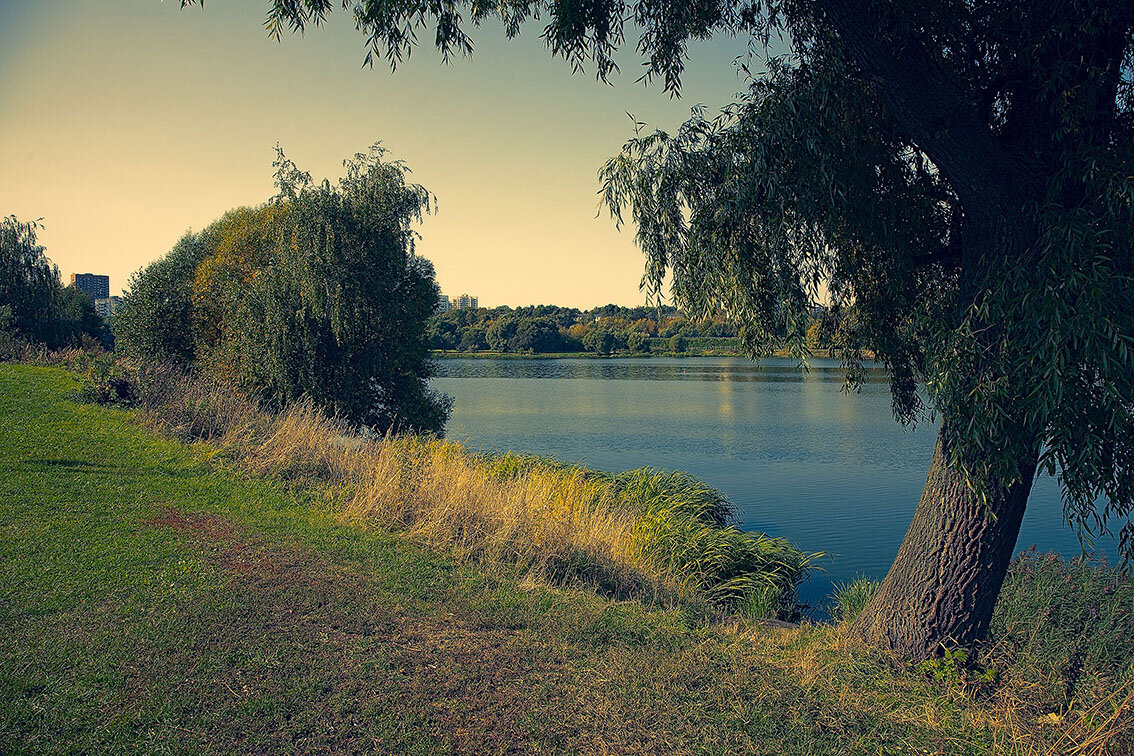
{"x":829,"y":471}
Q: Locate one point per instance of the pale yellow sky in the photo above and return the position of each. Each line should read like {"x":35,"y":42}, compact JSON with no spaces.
{"x":123,"y":123}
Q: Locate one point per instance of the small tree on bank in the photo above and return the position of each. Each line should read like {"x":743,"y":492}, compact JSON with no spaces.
{"x":961,"y":172}
{"x":317,"y":293}
{"x":155,"y":320}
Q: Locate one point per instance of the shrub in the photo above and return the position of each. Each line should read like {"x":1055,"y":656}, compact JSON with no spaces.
{"x":155,"y":321}
{"x":851,"y":598}
{"x":106,"y":382}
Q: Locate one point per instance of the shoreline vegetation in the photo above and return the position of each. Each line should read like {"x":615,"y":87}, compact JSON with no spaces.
{"x":187,"y":535}
{"x":616,"y":331}
{"x":646,"y":533}
{"x":649,"y":534}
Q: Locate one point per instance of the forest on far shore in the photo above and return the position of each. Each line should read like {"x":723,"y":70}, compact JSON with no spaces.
{"x":609,"y":329}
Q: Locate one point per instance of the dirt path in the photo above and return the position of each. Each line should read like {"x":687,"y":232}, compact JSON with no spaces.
{"x":472,"y":689}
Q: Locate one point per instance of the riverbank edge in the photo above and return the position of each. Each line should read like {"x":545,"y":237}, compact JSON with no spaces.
{"x":645,"y":680}
{"x":641,"y":533}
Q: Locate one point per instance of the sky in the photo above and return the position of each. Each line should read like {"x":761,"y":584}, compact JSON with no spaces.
{"x":125,"y":123}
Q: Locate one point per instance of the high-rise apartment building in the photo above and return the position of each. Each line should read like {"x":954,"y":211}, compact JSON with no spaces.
{"x":107,"y":306}
{"x":96,"y":286}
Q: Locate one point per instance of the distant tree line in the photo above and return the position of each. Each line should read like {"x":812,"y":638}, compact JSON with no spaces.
{"x":316,"y":293}
{"x":609,"y":329}
{"x":35,"y":306}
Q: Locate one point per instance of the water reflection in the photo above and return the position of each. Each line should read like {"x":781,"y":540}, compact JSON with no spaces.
{"x":831,"y":471}
{"x":653,"y":369}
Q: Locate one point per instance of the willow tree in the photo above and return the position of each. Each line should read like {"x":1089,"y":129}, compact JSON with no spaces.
{"x":317,"y":293}
{"x":958,"y":170}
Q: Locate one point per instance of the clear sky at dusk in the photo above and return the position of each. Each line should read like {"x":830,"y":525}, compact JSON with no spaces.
{"x":123,"y":123}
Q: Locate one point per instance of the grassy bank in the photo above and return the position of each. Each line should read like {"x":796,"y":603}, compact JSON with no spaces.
{"x":647,"y":534}
{"x":170,"y":597}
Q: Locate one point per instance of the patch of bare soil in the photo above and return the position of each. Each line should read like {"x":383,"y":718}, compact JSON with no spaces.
{"x":297,"y":620}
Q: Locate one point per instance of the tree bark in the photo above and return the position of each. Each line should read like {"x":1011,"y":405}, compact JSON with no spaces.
{"x":943,"y":585}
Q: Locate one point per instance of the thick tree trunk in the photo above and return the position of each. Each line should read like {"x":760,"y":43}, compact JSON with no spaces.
{"x":944,"y":582}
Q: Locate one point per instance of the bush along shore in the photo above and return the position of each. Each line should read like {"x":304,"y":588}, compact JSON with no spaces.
{"x":612,"y":613}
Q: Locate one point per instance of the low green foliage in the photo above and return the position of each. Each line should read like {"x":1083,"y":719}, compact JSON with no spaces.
{"x":954,"y":669}
{"x":1065,"y":629}
{"x":849,"y":599}
{"x":107,"y":382}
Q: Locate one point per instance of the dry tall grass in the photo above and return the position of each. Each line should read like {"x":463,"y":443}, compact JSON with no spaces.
{"x":557,"y":522}
{"x":644,"y":533}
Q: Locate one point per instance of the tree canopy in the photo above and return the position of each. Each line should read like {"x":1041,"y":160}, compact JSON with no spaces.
{"x":856,"y":163}
{"x":1000,"y":280}
{"x":547,"y":328}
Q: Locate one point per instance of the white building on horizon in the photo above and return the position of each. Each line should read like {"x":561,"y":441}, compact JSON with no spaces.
{"x":107,"y":306}
{"x":463,"y":302}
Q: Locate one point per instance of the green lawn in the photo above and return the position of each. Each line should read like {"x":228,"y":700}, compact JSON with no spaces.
{"x":153,"y":601}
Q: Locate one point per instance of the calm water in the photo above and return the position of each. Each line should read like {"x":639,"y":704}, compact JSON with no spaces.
{"x":800,"y":459}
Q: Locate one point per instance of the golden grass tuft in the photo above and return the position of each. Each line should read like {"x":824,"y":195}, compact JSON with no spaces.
{"x":555,"y":523}
{"x":302,"y":442}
